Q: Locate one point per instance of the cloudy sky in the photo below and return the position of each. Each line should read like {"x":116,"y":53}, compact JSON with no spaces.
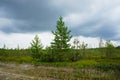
{"x":21,"y":20}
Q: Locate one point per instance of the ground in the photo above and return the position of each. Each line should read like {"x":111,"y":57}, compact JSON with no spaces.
{"x":13,"y":71}
{"x":16,"y":71}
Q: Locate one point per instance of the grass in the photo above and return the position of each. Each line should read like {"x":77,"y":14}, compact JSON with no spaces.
{"x":94,"y":66}
{"x":30,"y":72}
{"x":18,"y":59}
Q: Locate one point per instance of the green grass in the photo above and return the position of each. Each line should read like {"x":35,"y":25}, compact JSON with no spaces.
{"x":94,"y":65}
{"x":18,"y":59}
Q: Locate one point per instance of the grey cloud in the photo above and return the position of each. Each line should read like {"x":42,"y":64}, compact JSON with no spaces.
{"x":105,"y":31}
{"x":36,"y":15}
{"x":41,"y":15}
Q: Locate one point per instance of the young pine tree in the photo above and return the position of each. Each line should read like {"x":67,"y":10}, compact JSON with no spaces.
{"x":109,"y":49}
{"x":62,"y":36}
{"x":36,"y":47}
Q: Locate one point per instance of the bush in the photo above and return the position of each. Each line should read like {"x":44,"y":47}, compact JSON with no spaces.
{"x":109,"y":49}
{"x":74,"y":56}
{"x":59,"y":56}
{"x":106,"y":67}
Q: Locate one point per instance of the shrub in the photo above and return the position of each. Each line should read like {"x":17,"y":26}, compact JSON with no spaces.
{"x":109,"y":49}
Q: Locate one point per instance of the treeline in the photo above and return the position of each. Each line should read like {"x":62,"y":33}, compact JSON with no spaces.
{"x":60,"y":49}
{"x":50,"y":55}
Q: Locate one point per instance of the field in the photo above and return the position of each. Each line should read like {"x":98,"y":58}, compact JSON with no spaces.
{"x":19,"y":65}
{"x":15,"y":71}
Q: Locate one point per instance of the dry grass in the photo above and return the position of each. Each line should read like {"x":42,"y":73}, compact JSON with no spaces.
{"x":15,"y":71}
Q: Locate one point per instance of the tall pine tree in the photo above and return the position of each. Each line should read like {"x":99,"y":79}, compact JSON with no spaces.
{"x":62,"y":36}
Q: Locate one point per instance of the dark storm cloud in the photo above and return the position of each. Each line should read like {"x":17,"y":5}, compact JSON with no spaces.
{"x":83,"y":17}
{"x":29,"y":15}
{"x":105,"y":31}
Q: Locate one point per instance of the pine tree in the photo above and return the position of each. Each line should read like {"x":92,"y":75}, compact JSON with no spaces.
{"x":36,"y":47}
{"x":62,"y":36}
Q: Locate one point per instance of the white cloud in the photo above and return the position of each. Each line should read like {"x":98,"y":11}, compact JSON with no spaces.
{"x":23,"y":40}
{"x":46,"y":38}
{"x":91,"y":41}
{"x":13,"y":40}
{"x":114,"y":14}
